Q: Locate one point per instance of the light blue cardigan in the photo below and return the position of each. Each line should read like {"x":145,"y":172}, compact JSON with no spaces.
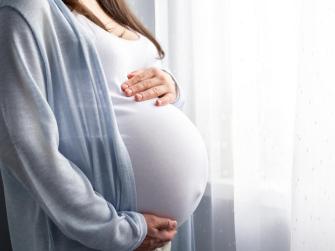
{"x":67,"y":175}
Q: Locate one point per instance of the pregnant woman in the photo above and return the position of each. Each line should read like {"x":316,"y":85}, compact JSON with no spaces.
{"x":90,"y":159}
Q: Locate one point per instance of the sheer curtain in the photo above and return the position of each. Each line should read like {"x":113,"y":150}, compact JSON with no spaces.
{"x":260,"y":85}
{"x":282,"y":61}
{"x":198,"y":54}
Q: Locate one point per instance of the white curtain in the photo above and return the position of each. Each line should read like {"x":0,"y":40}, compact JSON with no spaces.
{"x":259,"y":77}
{"x":198,"y":54}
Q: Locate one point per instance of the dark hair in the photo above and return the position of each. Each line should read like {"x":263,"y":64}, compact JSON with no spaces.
{"x":121,"y":13}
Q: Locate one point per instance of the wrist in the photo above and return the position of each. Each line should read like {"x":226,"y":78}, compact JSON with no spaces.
{"x":174,"y":84}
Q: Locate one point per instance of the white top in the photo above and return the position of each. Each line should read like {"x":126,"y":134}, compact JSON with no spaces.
{"x":168,"y":154}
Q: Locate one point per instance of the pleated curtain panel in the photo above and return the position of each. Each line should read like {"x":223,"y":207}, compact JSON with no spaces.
{"x":259,"y":78}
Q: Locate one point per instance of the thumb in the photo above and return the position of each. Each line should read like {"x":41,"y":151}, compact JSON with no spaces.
{"x":133,"y":73}
{"x":165,"y":224}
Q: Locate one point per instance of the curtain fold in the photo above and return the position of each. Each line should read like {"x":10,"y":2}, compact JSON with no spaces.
{"x":192,"y":34}
{"x":259,"y":77}
{"x":313,"y":200}
{"x":264,"y":83}
{"x":282,"y":124}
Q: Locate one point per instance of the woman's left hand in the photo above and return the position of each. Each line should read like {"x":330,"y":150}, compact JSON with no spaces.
{"x":150,"y":83}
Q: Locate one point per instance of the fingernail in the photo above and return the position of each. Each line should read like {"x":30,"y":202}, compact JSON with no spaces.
{"x":124,"y":86}
{"x":129,"y":91}
{"x":138,"y":96}
{"x":159,"y":102}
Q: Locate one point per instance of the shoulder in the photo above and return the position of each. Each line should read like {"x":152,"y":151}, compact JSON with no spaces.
{"x":17,"y":38}
{"x":18,"y":14}
{"x":25,"y":7}
{"x":13,"y":25}
{"x":12,"y":22}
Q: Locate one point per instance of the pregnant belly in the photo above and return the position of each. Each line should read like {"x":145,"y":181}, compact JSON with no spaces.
{"x":169,"y":158}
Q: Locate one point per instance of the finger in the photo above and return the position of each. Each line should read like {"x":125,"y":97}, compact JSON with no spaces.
{"x":152,"y":232}
{"x":133,"y":73}
{"x":148,"y":73}
{"x":137,"y":71}
{"x":142,"y":86}
{"x":166,"y":99}
{"x":153,"y":92}
{"x":165,"y":235}
{"x":129,"y":76}
{"x":165,"y":224}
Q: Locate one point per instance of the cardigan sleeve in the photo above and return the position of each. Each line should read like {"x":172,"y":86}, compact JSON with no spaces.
{"x":180,"y":99}
{"x":29,"y":142}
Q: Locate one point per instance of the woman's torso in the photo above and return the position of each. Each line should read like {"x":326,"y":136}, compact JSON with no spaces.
{"x":167,"y":152}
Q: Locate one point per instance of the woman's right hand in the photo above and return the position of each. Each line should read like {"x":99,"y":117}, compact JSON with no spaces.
{"x":160,"y":231}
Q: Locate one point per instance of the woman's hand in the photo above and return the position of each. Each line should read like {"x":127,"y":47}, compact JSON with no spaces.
{"x":150,"y":83}
{"x":160,"y":232}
